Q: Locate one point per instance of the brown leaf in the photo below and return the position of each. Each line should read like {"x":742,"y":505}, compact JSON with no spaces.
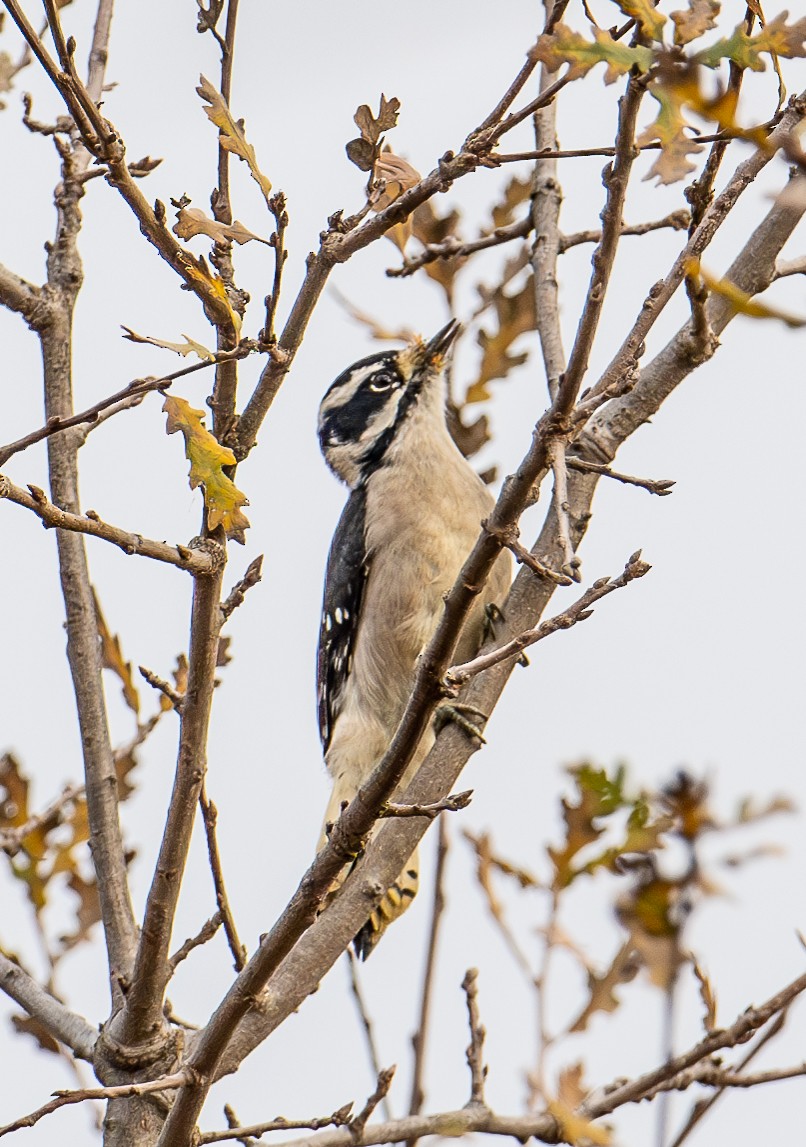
{"x":27,"y":1025}
{"x":428,"y":228}
{"x":693,"y":22}
{"x":88,"y":911}
{"x":515,"y":315}
{"x":377,"y":329}
{"x":516,"y":192}
{"x":363,"y":152}
{"x":602,"y":997}
{"x":112,"y":658}
{"x":192,"y":221}
{"x":707,"y":995}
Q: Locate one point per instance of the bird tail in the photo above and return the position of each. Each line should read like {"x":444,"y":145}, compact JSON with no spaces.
{"x":393,"y":905}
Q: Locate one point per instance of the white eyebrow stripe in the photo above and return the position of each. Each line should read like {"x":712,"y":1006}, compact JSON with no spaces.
{"x":344,"y":393}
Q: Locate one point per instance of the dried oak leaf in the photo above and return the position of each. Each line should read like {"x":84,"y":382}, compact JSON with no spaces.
{"x":192,"y":221}
{"x":601,"y":989}
{"x":88,"y":911}
{"x":564,"y":46}
{"x":653,"y":912}
{"x":189,"y":346}
{"x":207,"y":458}
{"x":650,"y":19}
{"x":27,"y":1025}
{"x":777,"y":39}
{"x":515,"y":315}
{"x":364,"y":151}
{"x":428,"y":228}
{"x":707,"y":995}
{"x":576,"y":1129}
{"x":516,"y":192}
{"x":398,"y":176}
{"x":694,"y":21}
{"x":231,"y":133}
{"x":112,"y":658}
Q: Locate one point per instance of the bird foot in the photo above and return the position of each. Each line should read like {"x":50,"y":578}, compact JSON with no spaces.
{"x":455,"y":713}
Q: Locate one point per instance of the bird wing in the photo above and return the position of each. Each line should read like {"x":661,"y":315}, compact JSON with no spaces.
{"x":345,"y":579}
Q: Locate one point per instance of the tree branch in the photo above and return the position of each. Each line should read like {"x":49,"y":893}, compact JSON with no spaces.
{"x":142,"y":1016}
{"x":67,"y":1098}
{"x":581,"y":610}
{"x":66,"y":1026}
{"x":138,"y":387}
{"x":21,"y":296}
{"x":200,"y":562}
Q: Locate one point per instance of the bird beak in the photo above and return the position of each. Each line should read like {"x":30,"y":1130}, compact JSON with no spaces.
{"x":441,"y":342}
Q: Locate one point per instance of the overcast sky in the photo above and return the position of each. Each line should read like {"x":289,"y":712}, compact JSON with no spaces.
{"x":698,"y":665}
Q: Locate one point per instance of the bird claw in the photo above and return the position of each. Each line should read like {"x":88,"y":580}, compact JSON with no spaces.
{"x":455,"y":713}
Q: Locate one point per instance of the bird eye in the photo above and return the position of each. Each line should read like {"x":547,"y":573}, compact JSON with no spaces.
{"x":383,"y":380}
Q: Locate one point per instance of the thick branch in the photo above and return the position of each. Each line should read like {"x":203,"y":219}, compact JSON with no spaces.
{"x":20,"y":296}
{"x":71,"y":1029}
{"x":142,"y":1017}
{"x":199,"y":562}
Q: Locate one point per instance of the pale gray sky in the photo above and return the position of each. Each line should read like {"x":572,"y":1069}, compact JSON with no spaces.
{"x":699,"y":664}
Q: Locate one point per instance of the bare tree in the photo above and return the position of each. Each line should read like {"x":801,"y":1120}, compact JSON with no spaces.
{"x":154,"y":1070}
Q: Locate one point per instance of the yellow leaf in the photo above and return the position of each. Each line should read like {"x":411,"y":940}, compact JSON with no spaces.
{"x":739,"y":301}
{"x":232,"y":134}
{"x":198,"y":270}
{"x":669,"y":129}
{"x":208,"y":458}
{"x":576,"y":1130}
{"x":707,"y":995}
{"x":189,"y":346}
{"x":564,"y":46}
{"x":647,"y":15}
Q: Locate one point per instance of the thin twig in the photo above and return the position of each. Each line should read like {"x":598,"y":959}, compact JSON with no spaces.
{"x":340,"y":1118}
{"x":458,"y":675}
{"x":205,"y":933}
{"x":277,"y":203}
{"x":420,"y":1038}
{"x":366,"y":1023}
{"x":590,"y":152}
{"x":176,"y":698}
{"x":475,"y":1050}
{"x":452,"y":803}
{"x":675,"y":220}
{"x":703,"y":1106}
{"x":357,"y":1124}
{"x":138,"y":387}
{"x":240,"y":589}
{"x":126,"y":1091}
{"x":199,"y":562}
{"x":661,"y":487}
{"x":210,"y":818}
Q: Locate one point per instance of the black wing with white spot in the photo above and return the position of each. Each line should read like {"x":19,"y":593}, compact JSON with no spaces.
{"x":347,"y":569}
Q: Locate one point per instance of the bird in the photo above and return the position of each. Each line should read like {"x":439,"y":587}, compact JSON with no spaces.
{"x":412,"y":516}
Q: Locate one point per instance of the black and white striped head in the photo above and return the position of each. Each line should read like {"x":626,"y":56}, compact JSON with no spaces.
{"x":367,"y":408}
